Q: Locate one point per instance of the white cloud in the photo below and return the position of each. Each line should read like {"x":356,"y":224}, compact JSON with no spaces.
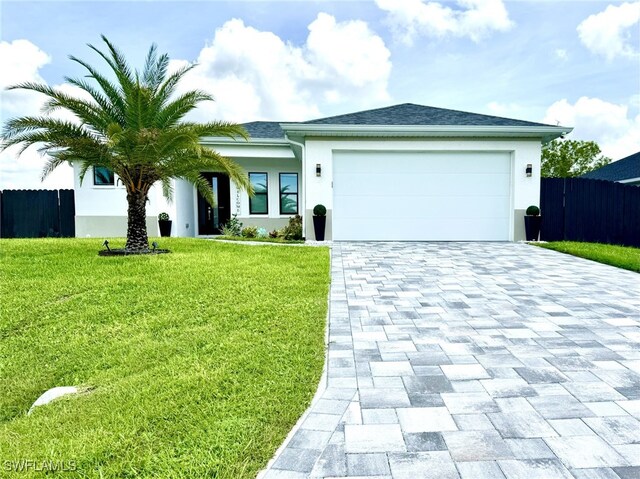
{"x":609,"y":124}
{"x":22,"y":61}
{"x":255,"y":75}
{"x":609,"y":33}
{"x":475,"y":19}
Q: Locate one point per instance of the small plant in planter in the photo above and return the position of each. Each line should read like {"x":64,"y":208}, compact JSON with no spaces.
{"x":165,"y":224}
{"x":532,"y":222}
{"x":319,"y":221}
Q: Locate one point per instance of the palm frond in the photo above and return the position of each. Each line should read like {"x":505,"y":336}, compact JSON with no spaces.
{"x":169,"y":84}
{"x":167,"y":189}
{"x":176,"y":109}
{"x":202,"y":185}
{"x":113,"y":92}
{"x":155,"y":69}
{"x":118,"y":65}
{"x":50,"y":164}
{"x":103,"y":101}
{"x":217,"y":128}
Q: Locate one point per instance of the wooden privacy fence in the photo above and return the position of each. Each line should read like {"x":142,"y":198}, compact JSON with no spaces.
{"x":37,"y":213}
{"x":580,"y":209}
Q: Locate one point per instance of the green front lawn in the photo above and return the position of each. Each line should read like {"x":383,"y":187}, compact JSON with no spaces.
{"x":200,"y":360}
{"x":625,"y":257}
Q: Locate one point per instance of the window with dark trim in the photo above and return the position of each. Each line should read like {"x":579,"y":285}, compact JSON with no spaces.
{"x":259,"y":203}
{"x":102,"y":176}
{"x":288,"y":193}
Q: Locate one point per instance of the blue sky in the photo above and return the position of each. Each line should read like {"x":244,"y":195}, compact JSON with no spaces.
{"x":573,"y":62}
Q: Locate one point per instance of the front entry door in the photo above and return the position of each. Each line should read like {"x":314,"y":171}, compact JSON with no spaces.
{"x":212,"y":218}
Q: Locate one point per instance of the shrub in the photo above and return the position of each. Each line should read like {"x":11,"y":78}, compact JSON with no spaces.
{"x":293,"y":231}
{"x":233,"y":227}
{"x":262,"y":233}
{"x":163,"y":217}
{"x":533,"y":210}
{"x":250,"y":232}
{"x":274,"y":234}
{"x":319,"y":210}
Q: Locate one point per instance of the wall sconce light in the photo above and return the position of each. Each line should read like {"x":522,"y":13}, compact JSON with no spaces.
{"x":529,"y":170}
{"x":318,"y":169}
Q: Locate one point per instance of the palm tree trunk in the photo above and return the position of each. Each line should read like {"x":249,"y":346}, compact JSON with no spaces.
{"x":137,"y":239}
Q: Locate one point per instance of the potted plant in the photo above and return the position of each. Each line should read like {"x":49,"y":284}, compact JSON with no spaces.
{"x":532,"y":223}
{"x":319,"y":221}
{"x":165,"y":224}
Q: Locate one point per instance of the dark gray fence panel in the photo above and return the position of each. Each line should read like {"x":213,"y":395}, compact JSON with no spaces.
{"x":37,"y":213}
{"x":67,"y":214}
{"x":552,"y":209}
{"x":631,"y":218}
{"x":580,"y":209}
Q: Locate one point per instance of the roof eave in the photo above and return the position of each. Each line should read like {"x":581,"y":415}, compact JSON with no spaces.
{"x":545,"y":133}
{"x":224,"y":140}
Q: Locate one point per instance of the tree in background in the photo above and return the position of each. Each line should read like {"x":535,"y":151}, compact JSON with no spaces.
{"x":133,"y":126}
{"x":570,"y":158}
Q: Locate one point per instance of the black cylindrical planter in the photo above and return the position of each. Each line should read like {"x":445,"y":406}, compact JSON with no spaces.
{"x":532,"y":227}
{"x":165,"y":227}
{"x":319,"y":225}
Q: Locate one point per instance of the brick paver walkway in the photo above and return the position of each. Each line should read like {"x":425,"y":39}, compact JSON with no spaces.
{"x":474,"y":360}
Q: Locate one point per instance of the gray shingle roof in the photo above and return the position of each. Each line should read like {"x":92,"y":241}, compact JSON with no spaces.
{"x":264,"y":129}
{"x":623,"y":169}
{"x":404,"y":114}
{"x":412,"y":114}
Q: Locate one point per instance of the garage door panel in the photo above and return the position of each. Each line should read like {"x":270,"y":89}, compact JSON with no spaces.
{"x":418,"y":162}
{"x":418,"y":184}
{"x":421,"y":196}
{"x":420,"y":206}
{"x":404,"y":229}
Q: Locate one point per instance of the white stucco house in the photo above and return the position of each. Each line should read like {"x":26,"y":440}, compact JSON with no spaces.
{"x":404,"y":172}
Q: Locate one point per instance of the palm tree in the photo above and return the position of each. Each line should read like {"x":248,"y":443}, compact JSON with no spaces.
{"x":133,"y":126}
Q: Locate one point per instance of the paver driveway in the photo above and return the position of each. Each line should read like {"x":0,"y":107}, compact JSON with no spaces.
{"x":474,"y":360}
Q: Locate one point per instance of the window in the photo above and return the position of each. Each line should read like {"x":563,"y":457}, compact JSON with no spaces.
{"x":288,"y":193}
{"x":102,"y":176}
{"x":259,"y":204}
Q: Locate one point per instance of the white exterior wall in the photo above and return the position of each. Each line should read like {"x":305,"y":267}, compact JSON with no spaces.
{"x":107,"y":206}
{"x":525,"y":190}
{"x":270,"y":159}
{"x":184,"y":224}
{"x":101,"y":211}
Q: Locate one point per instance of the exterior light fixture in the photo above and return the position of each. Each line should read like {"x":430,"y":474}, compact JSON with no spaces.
{"x":529,"y":170}
{"x":106,"y":245}
{"x":318,"y":169}
{"x":154,"y":245}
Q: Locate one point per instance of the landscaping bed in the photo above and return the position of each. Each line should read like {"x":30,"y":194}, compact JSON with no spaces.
{"x":625,"y":257}
{"x":199,"y":361}
{"x":260,"y":240}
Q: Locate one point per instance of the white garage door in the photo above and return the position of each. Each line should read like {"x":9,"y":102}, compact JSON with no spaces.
{"x":436,"y":196}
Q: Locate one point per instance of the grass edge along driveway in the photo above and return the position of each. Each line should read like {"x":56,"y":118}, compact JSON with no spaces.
{"x":201,"y":360}
{"x":626,"y":257}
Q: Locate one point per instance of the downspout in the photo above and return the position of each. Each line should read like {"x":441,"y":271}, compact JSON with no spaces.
{"x":304,"y":182}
